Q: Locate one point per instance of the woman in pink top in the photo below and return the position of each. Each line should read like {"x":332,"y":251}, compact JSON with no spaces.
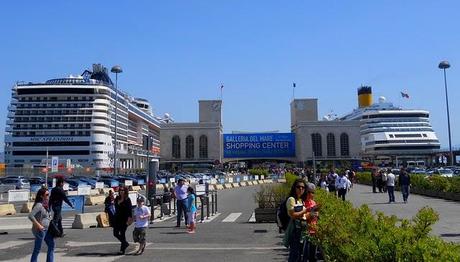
{"x":312,"y":220}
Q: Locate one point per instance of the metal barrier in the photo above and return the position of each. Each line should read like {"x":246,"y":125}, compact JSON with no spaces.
{"x":207,"y":200}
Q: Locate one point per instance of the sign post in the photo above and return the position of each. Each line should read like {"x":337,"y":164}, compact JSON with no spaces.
{"x":54,"y":163}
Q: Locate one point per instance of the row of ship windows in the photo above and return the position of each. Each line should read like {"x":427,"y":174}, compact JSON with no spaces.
{"x":397,"y":130}
{"x":67,"y":105}
{"x":59,"y":143}
{"x":55,"y":98}
{"x":391,"y":125}
{"x":57,"y":119}
{"x":401,"y":142}
{"x":395,"y":115}
{"x":392,"y":120}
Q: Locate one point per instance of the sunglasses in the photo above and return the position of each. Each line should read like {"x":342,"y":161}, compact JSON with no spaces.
{"x":300,"y":187}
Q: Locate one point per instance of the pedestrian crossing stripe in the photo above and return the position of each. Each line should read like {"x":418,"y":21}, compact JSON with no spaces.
{"x":232,"y":217}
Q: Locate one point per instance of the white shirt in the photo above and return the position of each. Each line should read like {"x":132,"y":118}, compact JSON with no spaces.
{"x":138,"y":212}
{"x":391,"y":179}
{"x":342,"y":183}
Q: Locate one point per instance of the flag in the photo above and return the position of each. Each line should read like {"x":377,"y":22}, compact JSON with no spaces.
{"x":293,"y":84}
{"x":221,"y":86}
{"x":405,"y":95}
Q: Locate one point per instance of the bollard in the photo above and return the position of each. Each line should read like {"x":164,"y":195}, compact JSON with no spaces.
{"x":161,"y":207}
{"x":174,"y":204}
{"x":202,"y":209}
{"x":212,"y":203}
{"x":170,"y":198}
{"x":207,"y":206}
{"x":152,"y":209}
{"x":216,"y":201}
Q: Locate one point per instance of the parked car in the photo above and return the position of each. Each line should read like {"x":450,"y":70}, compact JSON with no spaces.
{"x":445,"y":172}
{"x":18,"y":183}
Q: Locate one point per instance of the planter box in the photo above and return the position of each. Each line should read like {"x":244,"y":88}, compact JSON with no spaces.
{"x":267,"y":215}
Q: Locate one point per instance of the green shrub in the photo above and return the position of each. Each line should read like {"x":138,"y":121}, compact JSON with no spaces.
{"x":364,"y":177}
{"x":258,"y":172}
{"x":356,"y":234}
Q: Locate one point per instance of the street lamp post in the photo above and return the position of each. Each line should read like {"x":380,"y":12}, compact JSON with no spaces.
{"x":444,"y":65}
{"x":116,"y":69}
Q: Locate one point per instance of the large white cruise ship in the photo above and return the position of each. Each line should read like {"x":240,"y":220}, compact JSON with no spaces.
{"x":74,"y":118}
{"x":391,"y":132}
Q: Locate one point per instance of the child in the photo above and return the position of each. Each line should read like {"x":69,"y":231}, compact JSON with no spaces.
{"x":191,"y":210}
{"x":142,"y":215}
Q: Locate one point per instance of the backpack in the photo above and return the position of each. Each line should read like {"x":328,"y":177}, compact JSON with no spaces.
{"x":282,"y":217}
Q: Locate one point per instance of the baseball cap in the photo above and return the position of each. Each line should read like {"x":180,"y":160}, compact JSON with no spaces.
{"x":140,"y":199}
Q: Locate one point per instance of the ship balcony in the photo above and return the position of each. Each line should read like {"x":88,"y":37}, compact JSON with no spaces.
{"x":11,"y":114}
{"x":12,"y":108}
{"x":8,"y":129}
{"x":9,"y":121}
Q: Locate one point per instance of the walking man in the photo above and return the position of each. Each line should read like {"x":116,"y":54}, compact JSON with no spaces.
{"x":180,"y":192}
{"x":391,"y":186}
{"x":57,"y":196}
{"x":404,"y":182}
{"x":342,"y":184}
{"x":331,"y":181}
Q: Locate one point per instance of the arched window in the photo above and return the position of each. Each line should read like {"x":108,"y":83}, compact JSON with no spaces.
{"x":176,"y":147}
{"x":330,"y":139}
{"x":316,"y":144}
{"x":344,"y":145}
{"x":189,"y":147}
{"x":203,"y":146}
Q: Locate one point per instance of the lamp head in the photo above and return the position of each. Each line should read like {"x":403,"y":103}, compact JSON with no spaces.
{"x":444,"y":65}
{"x":116,"y":69}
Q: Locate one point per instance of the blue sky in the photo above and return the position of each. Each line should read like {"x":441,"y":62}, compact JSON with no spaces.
{"x":177,"y":52}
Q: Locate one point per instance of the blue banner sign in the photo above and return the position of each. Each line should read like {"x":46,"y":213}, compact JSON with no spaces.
{"x":78,"y":202}
{"x":259,"y":145}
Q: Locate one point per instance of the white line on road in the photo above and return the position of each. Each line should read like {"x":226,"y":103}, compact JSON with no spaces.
{"x":252,"y":219}
{"x":9,"y":244}
{"x":232,"y":217}
{"x":210,"y":219}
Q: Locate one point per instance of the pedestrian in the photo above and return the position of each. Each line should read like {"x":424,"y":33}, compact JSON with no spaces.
{"x":191,"y":211}
{"x":379,"y":181}
{"x":297,"y":228}
{"x":123,"y":218}
{"x":384,"y":180}
{"x":109,"y":209}
{"x":391,"y":186}
{"x":404,"y":182}
{"x":331,"y":178}
{"x":351,"y":177}
{"x":40,"y":217}
{"x":374,"y":175}
{"x":323,"y":183}
{"x":141,"y":223}
{"x":342,"y":184}
{"x":55,"y":202}
{"x":180,"y":193}
{"x":310,"y":247}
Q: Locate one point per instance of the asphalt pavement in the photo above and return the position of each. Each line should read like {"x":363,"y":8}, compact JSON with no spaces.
{"x":231,"y":235}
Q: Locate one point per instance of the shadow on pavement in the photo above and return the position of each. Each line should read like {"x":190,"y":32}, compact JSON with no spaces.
{"x":97,"y":254}
{"x":173,"y":233}
{"x":451,"y":235}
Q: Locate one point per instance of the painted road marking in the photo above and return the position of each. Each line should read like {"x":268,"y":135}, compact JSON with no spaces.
{"x":252,"y":219}
{"x":232,"y":217}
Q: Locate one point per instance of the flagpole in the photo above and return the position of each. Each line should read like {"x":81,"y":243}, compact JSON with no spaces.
{"x":293,"y":91}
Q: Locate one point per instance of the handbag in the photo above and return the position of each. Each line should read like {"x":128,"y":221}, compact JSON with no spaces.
{"x":53,"y":229}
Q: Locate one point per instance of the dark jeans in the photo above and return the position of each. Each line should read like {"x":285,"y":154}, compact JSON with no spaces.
{"x":405,"y":192}
{"x":332,"y":188}
{"x":49,"y":240}
{"x":57,"y":216}
{"x":374,"y":185}
{"x":309,"y":251}
{"x":342,"y":192}
{"x":295,"y":246}
{"x":119,"y":232}
{"x":391,"y":193}
{"x":181,"y":208}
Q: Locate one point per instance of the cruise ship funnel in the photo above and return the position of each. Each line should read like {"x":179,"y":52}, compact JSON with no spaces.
{"x":364,"y":96}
